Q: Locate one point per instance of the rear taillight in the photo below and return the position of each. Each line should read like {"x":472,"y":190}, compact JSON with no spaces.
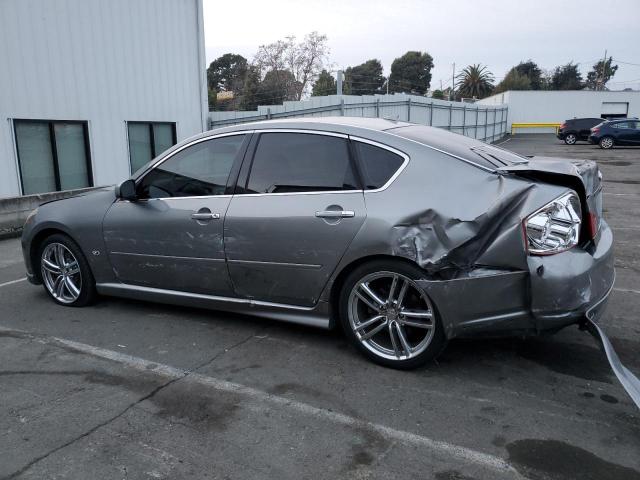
{"x":555,"y":227}
{"x":563,"y":126}
{"x":595,"y":130}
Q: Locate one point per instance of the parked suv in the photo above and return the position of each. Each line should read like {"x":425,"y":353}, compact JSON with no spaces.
{"x":577,"y":129}
{"x":617,"y":132}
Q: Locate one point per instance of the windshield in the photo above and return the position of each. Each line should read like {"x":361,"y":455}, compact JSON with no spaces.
{"x":474,"y":151}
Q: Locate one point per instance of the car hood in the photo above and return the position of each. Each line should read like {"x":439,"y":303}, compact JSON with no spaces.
{"x":89,"y":193}
{"x":583,"y":172}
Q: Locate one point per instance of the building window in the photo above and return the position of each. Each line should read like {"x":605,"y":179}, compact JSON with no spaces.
{"x":53,"y":155}
{"x":147,"y":140}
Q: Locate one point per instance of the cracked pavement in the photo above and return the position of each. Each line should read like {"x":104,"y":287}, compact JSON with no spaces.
{"x":549,"y":407}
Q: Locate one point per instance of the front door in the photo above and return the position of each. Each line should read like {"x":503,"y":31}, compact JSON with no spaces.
{"x":172,"y":236}
{"x":293,"y":217}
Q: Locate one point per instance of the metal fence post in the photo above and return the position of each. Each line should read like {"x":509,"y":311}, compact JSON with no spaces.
{"x":464,"y":119}
{"x":268,"y":113}
{"x":493,"y":130}
{"x":450,"y":116}
{"x":431,"y":114}
{"x":378,"y":107}
{"x":342,"y":107}
{"x":475,"y":131}
{"x":409,"y":109}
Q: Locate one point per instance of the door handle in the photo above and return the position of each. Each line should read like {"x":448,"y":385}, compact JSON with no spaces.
{"x":335,"y":214}
{"x":205,"y":216}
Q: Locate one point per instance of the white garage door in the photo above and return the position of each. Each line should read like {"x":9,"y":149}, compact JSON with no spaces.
{"x":615,"y":108}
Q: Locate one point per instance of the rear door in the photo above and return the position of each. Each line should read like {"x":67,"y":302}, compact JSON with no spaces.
{"x":636,"y":136}
{"x":295,"y":212}
{"x":625,"y":132}
{"x":172,"y":236}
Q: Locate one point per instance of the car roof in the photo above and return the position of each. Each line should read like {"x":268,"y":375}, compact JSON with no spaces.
{"x":331,"y":124}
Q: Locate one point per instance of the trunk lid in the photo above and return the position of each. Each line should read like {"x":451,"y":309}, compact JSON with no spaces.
{"x":583,"y":176}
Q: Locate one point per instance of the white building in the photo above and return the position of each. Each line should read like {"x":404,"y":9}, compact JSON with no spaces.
{"x":92,"y":89}
{"x":556,"y":106}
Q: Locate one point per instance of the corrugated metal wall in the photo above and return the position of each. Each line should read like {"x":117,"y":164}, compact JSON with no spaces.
{"x":106,"y":62}
{"x":483,"y":122}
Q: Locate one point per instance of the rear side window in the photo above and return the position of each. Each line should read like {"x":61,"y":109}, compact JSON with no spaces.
{"x":300,"y":162}
{"x":622,"y":125}
{"x":377,"y":165}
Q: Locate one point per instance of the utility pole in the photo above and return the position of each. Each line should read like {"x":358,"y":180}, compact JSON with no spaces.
{"x":604,"y":69}
{"x":339,"y":83}
{"x":453,"y":82}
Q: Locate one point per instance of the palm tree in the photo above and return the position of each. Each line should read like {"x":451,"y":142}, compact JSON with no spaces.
{"x":475,"y":81}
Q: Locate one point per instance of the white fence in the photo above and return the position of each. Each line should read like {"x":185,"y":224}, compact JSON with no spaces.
{"x":484,"y":122}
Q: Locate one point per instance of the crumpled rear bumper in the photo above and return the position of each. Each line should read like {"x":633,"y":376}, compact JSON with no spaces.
{"x":557,"y":291}
{"x":568,"y":286}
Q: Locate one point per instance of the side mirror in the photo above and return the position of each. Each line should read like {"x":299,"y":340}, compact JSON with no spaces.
{"x":127,"y":190}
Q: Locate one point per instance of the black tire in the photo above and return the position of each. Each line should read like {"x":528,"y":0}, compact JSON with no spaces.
{"x":87,"y":286}
{"x":606,"y":143}
{"x":570,"y":138}
{"x":405,"y":271}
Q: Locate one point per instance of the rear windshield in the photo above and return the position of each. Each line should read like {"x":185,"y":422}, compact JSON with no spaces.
{"x":475,"y":151}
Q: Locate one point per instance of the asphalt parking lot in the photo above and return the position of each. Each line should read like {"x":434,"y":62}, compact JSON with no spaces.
{"x":127,"y":389}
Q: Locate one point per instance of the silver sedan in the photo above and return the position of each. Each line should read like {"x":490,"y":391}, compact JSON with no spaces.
{"x":404,"y":235}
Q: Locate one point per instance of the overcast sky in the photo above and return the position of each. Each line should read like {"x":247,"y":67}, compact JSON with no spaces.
{"x":498,"y":34}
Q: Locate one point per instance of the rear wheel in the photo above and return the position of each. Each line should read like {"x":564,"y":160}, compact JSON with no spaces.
{"x":570,"y":139}
{"x":66,"y":275}
{"x":606,"y":143}
{"x":388,"y":317}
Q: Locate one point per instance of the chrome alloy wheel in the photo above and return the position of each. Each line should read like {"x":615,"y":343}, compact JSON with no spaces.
{"x":61,"y":273}
{"x":570,"y":139}
{"x":391,"y":316}
{"x":606,"y":142}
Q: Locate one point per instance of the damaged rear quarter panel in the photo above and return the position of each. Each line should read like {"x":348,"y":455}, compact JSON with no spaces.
{"x":462,"y":218}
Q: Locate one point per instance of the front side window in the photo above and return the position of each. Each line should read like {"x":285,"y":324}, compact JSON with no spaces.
{"x":53,"y":155}
{"x":147,"y":140}
{"x":201,"y":169}
{"x":377,"y":165}
{"x":300,"y":162}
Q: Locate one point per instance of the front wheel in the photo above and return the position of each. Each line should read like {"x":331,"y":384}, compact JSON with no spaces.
{"x":65,"y":272}
{"x":570,"y":139}
{"x":388,"y":317}
{"x":606,"y":143}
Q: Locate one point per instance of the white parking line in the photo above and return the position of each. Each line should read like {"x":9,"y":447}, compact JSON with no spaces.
{"x":11,"y":282}
{"x":140,"y":364}
{"x":627,"y":290}
{"x":504,"y":141}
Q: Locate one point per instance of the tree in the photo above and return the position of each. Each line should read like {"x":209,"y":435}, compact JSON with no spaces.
{"x":513,"y":81}
{"x":304,"y":60}
{"x":212,"y":94}
{"x":475,"y":81}
{"x":567,"y":77}
{"x":601,"y":73}
{"x":227,"y":73}
{"x":249,"y":97}
{"x":531,"y":70}
{"x":411,"y":73}
{"x":364,"y":79}
{"x":324,"y":85}
{"x":438,"y":94}
{"x":276,"y":87}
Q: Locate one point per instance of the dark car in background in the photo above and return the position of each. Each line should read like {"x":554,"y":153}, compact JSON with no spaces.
{"x":577,"y":129}
{"x":616,"y":132}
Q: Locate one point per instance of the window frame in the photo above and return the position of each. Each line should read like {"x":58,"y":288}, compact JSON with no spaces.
{"x":152,"y":142}
{"x":245,"y":170}
{"x":233,"y":173}
{"x":397,"y":173}
{"x":54,"y":151}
